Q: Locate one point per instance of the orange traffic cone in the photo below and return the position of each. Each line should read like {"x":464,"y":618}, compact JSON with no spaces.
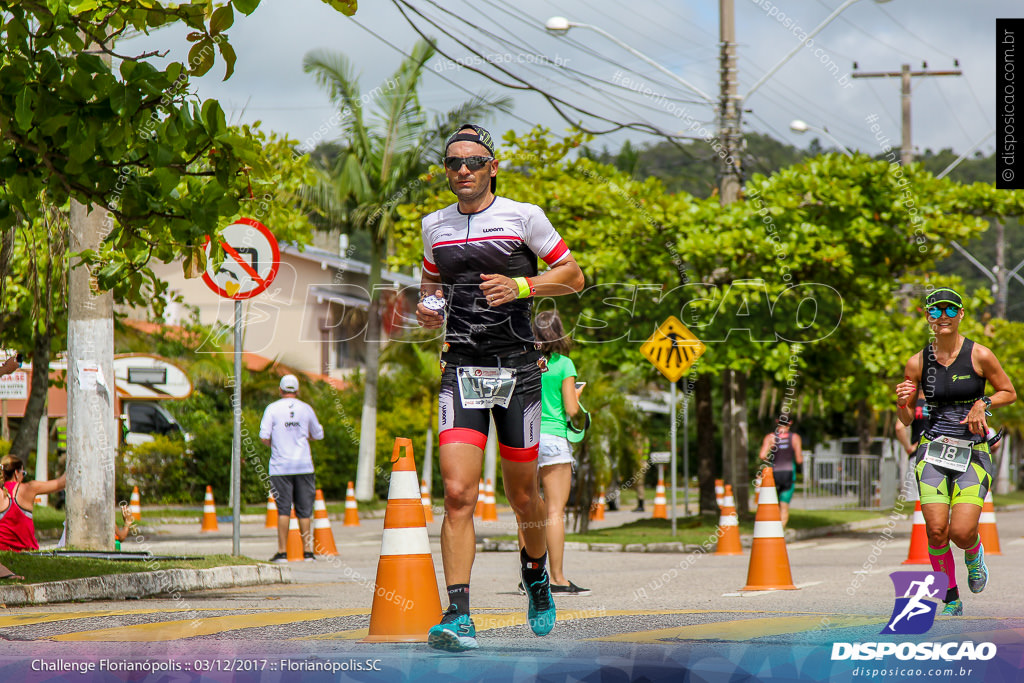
{"x":597,"y":509}
{"x":209,"y":512}
{"x":323,"y":537}
{"x":660,"y":506}
{"x":728,"y":527}
{"x":406,"y":600}
{"x":351,"y":509}
{"x":490,"y":506}
{"x":987,"y":527}
{"x":271,"y":522}
{"x":134,"y":506}
{"x":428,"y":507}
{"x":719,"y":493}
{"x":918,"y":553}
{"x":769,"y":563}
{"x":295,"y":548}
{"x":480,"y":497}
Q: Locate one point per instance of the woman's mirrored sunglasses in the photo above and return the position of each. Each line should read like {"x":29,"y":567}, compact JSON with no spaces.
{"x":937,"y":311}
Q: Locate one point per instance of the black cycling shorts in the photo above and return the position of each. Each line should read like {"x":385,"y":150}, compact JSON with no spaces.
{"x":299,"y":489}
{"x":518,"y":426}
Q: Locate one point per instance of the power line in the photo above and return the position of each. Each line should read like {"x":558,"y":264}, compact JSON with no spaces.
{"x":557,"y":103}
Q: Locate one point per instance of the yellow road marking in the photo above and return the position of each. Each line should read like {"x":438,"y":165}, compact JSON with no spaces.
{"x":355,"y":634}
{"x":175,"y":630}
{"x":29,"y":618}
{"x":743,"y":629}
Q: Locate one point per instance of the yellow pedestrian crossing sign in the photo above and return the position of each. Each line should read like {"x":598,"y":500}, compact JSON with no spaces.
{"x":672,"y":349}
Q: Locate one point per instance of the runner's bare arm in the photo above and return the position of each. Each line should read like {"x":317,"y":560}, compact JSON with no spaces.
{"x":429,"y":285}
{"x":565,"y":277}
{"x":906,"y":391}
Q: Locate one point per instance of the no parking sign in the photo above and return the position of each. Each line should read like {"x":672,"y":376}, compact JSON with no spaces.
{"x":251,"y":260}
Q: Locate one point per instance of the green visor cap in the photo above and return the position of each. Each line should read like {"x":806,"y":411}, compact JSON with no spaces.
{"x":943,"y":295}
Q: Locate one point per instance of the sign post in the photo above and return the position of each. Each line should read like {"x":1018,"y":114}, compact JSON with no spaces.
{"x":673,"y":349}
{"x":250,"y":264}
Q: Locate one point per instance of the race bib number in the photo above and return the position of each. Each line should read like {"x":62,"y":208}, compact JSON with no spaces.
{"x":952,"y":454}
{"x":486,"y":387}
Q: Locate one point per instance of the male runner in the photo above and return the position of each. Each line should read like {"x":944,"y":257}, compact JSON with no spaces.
{"x":480,"y":254}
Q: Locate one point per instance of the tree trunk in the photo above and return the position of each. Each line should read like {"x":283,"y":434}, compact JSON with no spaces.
{"x":25,"y":440}
{"x":584,"y":479}
{"x":705,"y":445}
{"x":6,"y":249}
{"x":365,"y":469}
{"x":865,"y":420}
{"x":740,"y":440}
{"x":728,"y":463}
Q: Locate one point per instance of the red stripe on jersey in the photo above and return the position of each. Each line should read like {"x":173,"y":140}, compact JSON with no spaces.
{"x":556,"y":254}
{"x":506,"y":238}
{"x":430,"y":267}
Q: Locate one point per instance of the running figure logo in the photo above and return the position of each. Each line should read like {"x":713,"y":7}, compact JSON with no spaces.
{"x":918,"y":595}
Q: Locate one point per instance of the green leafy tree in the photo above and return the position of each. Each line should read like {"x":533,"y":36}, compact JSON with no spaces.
{"x":129,"y":137}
{"x":387,"y":143}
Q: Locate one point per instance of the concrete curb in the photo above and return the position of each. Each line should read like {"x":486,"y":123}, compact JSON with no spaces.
{"x":143,"y":584}
{"x":492,"y":545}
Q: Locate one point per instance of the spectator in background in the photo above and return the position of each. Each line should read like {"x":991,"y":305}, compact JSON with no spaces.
{"x":783,"y":451}
{"x":555,"y":461}
{"x":17,"y":530}
{"x":287,"y":426}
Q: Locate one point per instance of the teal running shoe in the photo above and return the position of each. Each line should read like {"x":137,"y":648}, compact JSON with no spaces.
{"x":455,"y":633}
{"x":541,"y":613}
{"x":977,"y":572}
{"x":953,"y":608}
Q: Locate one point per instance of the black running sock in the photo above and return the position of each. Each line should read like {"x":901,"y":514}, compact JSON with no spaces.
{"x":458,"y":595}
{"x":533,"y":570}
{"x":952,"y":594}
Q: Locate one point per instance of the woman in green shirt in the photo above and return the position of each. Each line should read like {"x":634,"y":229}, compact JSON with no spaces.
{"x":559,"y":403}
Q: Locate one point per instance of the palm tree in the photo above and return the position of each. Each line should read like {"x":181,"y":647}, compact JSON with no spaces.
{"x":380,"y":165}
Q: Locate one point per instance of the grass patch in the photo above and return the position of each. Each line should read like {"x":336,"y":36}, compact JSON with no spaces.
{"x":38,"y":569}
{"x":1011,"y":498}
{"x":813,"y":519}
{"x":46,"y":517}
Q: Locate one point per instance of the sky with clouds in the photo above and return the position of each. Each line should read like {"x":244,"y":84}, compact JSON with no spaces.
{"x":592,"y":73}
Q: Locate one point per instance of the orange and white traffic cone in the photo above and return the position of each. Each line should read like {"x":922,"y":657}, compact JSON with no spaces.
{"x":597,"y":509}
{"x":728,"y":527}
{"x":660,"y":505}
{"x":769,"y":562}
{"x":918,"y":553}
{"x":719,"y":493}
{"x":480,"y":497}
{"x":209,"y":512}
{"x":987,"y":527}
{"x":406,"y":600}
{"x":490,"y":505}
{"x":323,"y":537}
{"x":294,"y":549}
{"x":134,"y":505}
{"x":428,"y":507}
{"x":271,"y":522}
{"x":351,"y":509}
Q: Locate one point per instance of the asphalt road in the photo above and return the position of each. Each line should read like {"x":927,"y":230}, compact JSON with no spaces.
{"x":663,"y":612}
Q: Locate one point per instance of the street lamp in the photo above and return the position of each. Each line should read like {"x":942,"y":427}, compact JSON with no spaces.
{"x":561,"y":26}
{"x":798,"y":126}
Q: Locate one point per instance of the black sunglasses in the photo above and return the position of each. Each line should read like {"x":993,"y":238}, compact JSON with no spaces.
{"x":472,"y":163}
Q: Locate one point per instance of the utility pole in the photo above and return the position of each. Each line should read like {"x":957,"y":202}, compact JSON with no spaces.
{"x":91,"y":430}
{"x":734,"y":442}
{"x":92,"y":435}
{"x":905,"y":74}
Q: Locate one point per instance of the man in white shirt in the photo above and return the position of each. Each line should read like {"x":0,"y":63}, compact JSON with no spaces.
{"x":287,"y":426}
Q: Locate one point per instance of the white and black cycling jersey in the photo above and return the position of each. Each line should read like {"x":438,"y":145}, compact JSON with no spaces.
{"x":505,"y":238}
